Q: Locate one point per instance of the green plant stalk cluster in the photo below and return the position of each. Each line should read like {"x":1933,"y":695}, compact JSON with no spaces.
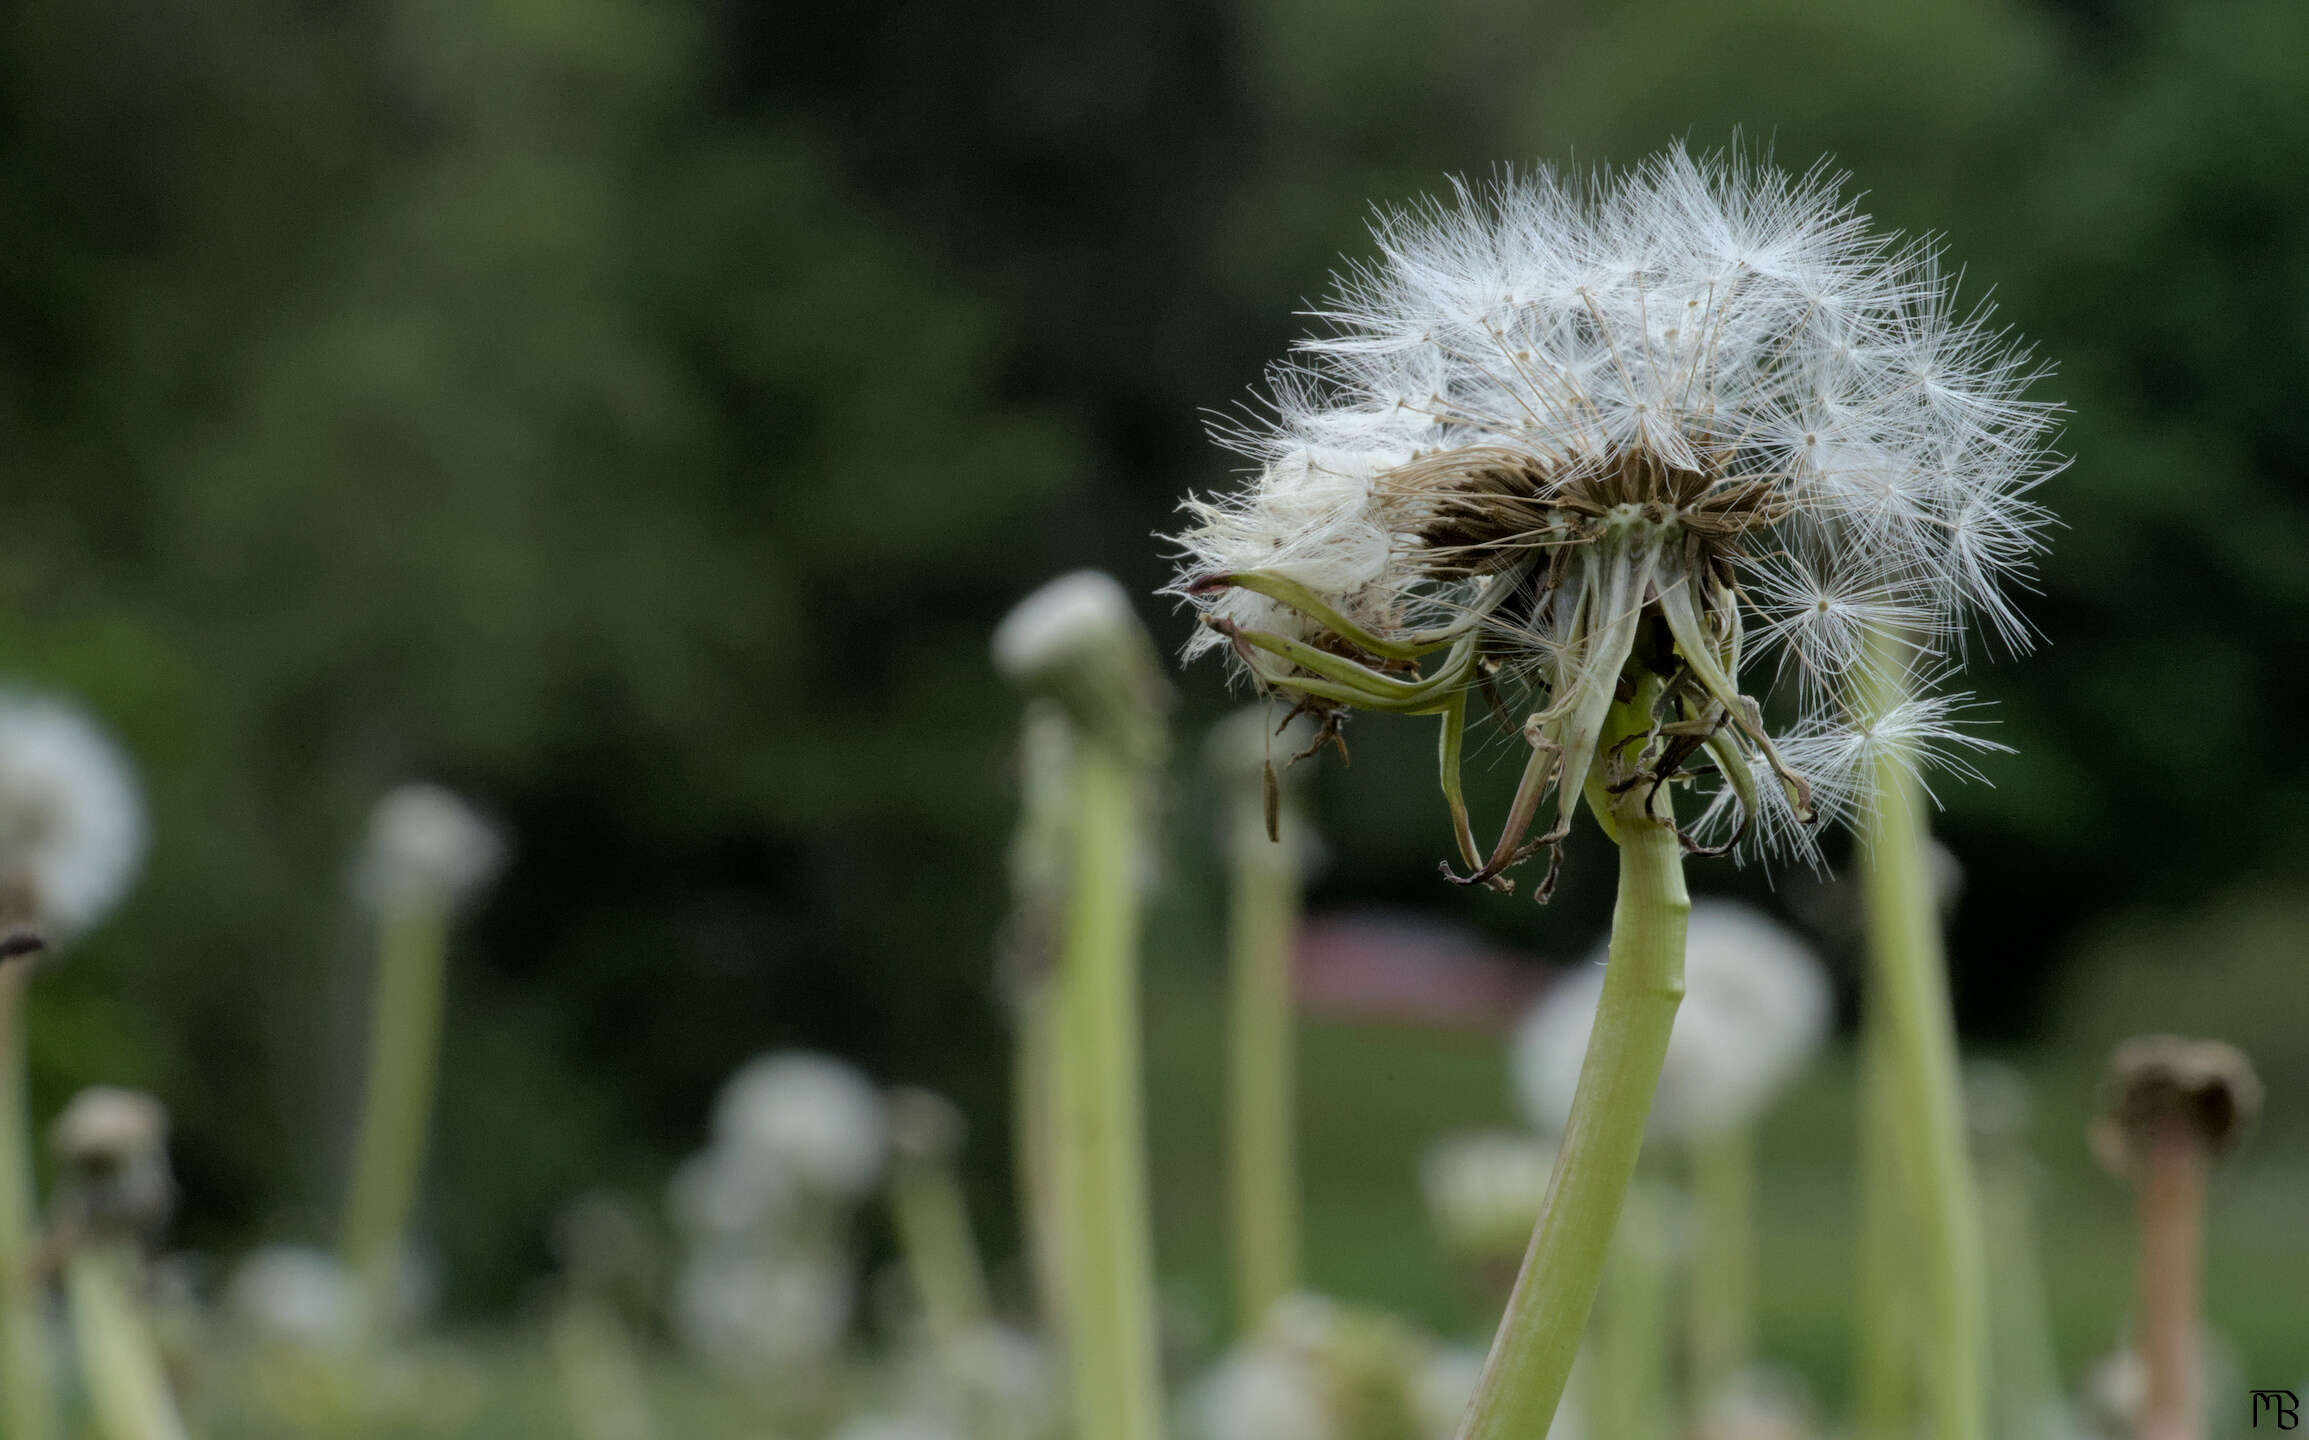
{"x":1108,"y":1262}
{"x":397,"y":1102}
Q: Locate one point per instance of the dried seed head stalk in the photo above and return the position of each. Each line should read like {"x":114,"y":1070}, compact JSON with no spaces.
{"x":1570,"y":444}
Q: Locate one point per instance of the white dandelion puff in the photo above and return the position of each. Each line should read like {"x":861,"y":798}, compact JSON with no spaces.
{"x":427,"y":846}
{"x":810,"y":1116}
{"x":1569,"y":443}
{"x":72,"y":824}
{"x":1755,"y":1011}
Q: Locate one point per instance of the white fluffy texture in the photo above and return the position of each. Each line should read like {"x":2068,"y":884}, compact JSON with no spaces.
{"x":896,"y":1427}
{"x":1263,"y":1393}
{"x":1756,"y":1008}
{"x":1717,"y":314}
{"x":1484,"y":1190}
{"x":294,"y":1295}
{"x":724,"y":1193}
{"x":72,"y":826}
{"x":1081,"y":611}
{"x":789,"y":1314}
{"x":813,"y":1117}
{"x":427,"y":846}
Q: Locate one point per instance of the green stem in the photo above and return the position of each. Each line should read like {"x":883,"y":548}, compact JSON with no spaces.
{"x":119,"y":1362}
{"x":397,"y":1102}
{"x":1884,"y":1369}
{"x":1262,"y":926}
{"x":1643,"y":983}
{"x":2025,"y":1374}
{"x":1035,"y":1118}
{"x":1108,"y":1268}
{"x":27,"y":1396}
{"x":941,"y":1256}
{"x":601,"y":1372}
{"x":1724,"y":1265}
{"x":1908,"y":978}
{"x":1631,"y":1326}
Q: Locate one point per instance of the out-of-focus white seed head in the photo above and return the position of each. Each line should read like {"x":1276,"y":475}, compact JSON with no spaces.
{"x":896,"y":1427}
{"x":294,"y":1295}
{"x":1484,"y":1190}
{"x":72,"y":822}
{"x":722,"y":1192}
{"x":426,"y":846}
{"x":1262,"y":1393}
{"x":1078,"y":641}
{"x":1445,"y":1386}
{"x":1756,"y":1007}
{"x":811,"y":1116}
{"x":789,"y":1313}
{"x":111,"y":1146}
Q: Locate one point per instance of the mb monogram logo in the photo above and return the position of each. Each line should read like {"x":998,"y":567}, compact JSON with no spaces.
{"x":2283,"y":1405}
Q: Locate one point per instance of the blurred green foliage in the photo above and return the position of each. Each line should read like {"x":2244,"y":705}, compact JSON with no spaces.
{"x":635,"y":413}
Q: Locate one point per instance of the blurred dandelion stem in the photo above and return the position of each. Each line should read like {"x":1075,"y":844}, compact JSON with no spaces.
{"x":942,"y":1257}
{"x":27,"y":1396}
{"x":1631,"y":1325}
{"x":1262,"y":926}
{"x":601,"y":1372}
{"x":1531,"y":1357}
{"x":1724,"y":1261}
{"x":1884,"y":1369}
{"x":1908,"y":993}
{"x":119,"y":1360}
{"x":1108,"y":1263}
{"x":397,"y":1100}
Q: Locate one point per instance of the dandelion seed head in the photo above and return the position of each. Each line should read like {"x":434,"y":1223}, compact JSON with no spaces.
{"x":1554,"y":407}
{"x":811,"y":1116}
{"x":427,"y":846}
{"x":72,"y":821}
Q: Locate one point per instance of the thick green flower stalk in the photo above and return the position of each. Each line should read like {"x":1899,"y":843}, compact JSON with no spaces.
{"x":72,"y":835}
{"x":1568,"y":447}
{"x":1267,"y":844}
{"x":1075,"y":642}
{"x":428,"y":853}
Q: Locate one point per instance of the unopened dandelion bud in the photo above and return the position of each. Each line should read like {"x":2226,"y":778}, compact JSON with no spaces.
{"x":428,"y":847}
{"x":2160,"y":1085}
{"x":111,"y":1146}
{"x":1078,"y":641}
{"x":72,"y":824}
